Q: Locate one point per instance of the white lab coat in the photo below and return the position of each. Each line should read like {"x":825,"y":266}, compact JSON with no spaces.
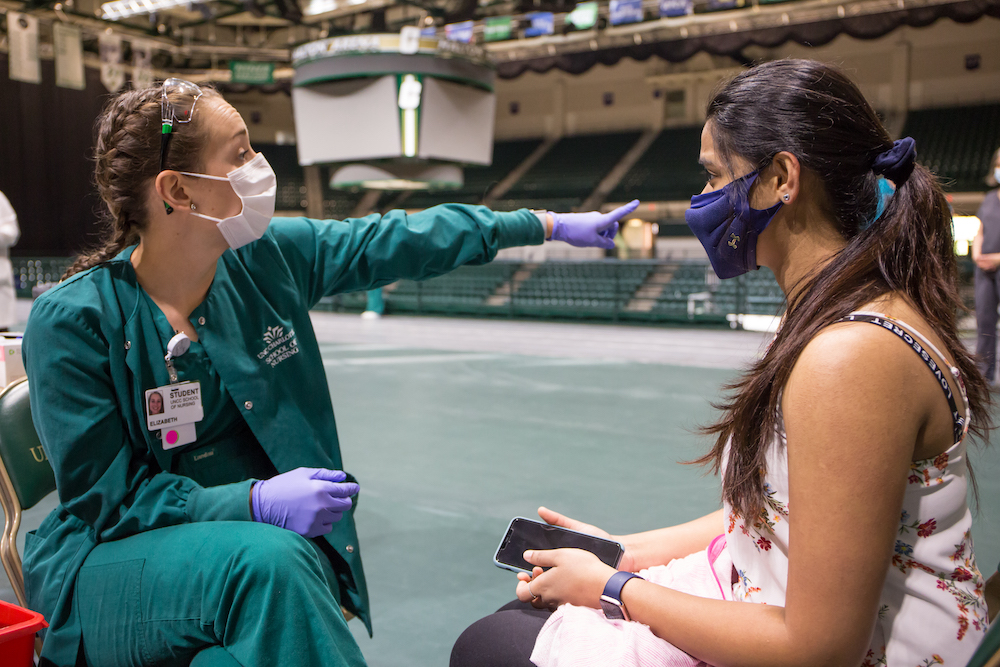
{"x":9,"y":234}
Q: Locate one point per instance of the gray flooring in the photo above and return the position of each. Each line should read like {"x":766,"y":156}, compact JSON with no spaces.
{"x":454,"y":426}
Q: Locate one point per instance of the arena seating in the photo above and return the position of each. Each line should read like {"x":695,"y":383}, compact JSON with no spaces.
{"x":463,"y":291}
{"x":957,"y":143}
{"x":668,"y":171}
{"x":579,"y":289}
{"x":478,"y":179}
{"x":687,"y":279}
{"x":568,"y":173}
{"x":609,"y":290}
{"x":339,"y":204}
{"x":636,"y":290}
{"x":31,"y":272}
{"x":466,"y":290}
{"x":284,"y":159}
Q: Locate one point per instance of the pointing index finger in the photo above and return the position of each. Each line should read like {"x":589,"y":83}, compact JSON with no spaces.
{"x":622,"y":211}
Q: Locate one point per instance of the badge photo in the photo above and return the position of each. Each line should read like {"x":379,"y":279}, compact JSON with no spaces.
{"x":173,"y":404}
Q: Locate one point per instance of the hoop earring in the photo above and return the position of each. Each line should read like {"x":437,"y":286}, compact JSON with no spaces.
{"x":168,"y":208}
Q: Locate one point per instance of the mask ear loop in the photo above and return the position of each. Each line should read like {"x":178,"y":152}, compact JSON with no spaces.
{"x":214,"y":178}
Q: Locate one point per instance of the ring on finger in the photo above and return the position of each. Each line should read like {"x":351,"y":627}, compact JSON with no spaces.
{"x":532,"y":593}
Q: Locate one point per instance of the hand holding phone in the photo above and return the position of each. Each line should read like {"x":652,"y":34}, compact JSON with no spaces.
{"x":523,"y":534}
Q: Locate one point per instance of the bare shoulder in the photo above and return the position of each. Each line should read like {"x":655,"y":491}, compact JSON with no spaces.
{"x":844,"y":351}
{"x":859,"y":383}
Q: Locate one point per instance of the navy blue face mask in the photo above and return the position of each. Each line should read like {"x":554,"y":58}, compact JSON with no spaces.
{"x":729,"y":236}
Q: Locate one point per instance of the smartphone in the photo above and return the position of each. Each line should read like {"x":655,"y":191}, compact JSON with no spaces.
{"x":523,"y":534}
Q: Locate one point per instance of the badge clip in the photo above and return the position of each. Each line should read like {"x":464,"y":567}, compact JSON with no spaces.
{"x":177,"y":346}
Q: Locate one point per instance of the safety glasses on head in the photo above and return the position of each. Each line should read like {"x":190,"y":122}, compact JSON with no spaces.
{"x":177,"y":101}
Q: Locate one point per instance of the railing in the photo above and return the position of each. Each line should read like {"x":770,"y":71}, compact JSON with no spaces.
{"x":609,"y":290}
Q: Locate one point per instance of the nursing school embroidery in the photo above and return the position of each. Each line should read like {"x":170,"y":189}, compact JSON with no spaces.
{"x":173,"y":410}
{"x":278,"y":345}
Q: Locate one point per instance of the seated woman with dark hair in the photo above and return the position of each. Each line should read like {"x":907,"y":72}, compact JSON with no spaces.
{"x":842,"y":451}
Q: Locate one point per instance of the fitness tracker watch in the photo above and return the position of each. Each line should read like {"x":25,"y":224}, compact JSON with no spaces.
{"x":611,"y":599}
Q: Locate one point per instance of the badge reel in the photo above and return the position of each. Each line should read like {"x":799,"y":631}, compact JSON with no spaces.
{"x":174,"y":409}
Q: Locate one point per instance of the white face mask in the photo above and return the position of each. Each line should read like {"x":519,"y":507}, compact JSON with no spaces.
{"x":257,"y":187}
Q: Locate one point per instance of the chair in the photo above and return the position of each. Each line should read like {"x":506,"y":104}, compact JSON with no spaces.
{"x":25,"y":478}
{"x":988,"y":653}
{"x":25,"y":475}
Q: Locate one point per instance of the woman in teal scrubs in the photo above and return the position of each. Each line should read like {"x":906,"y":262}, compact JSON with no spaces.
{"x":220,"y":530}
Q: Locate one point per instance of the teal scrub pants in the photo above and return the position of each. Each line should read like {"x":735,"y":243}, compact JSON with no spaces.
{"x":215,"y":593}
{"x":376,"y":303}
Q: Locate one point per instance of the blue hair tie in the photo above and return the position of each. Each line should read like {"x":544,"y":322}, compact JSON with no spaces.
{"x":885,"y":192}
{"x":896,"y":164}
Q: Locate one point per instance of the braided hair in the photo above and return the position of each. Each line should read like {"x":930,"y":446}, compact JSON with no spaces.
{"x":127,"y":159}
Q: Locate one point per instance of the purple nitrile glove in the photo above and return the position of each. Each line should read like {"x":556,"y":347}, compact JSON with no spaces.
{"x":306,"y":500}
{"x":592,"y":229}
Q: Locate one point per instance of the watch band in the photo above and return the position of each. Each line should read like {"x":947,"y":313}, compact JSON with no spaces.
{"x":542,"y":215}
{"x":611,"y":599}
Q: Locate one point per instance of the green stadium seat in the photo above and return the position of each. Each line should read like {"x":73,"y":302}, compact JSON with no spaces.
{"x":479,"y":179}
{"x":667,"y":171}
{"x":569,"y":172}
{"x":956,"y":143}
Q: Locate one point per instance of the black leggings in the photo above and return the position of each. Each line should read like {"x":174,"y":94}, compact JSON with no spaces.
{"x":502,"y":639}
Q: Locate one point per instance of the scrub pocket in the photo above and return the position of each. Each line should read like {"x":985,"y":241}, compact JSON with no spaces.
{"x":224,"y":462}
{"x":31,"y":544}
{"x":110,"y":612}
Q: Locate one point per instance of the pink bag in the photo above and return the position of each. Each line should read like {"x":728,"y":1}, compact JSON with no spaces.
{"x":582,"y":637}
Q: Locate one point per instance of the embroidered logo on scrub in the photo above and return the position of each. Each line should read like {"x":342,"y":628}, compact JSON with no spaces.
{"x":278,"y":345}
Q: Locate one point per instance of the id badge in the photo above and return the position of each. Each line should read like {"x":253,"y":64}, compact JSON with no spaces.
{"x":173,"y":410}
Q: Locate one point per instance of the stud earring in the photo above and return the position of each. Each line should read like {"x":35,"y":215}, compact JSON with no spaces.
{"x":785,"y":197}
{"x":193,"y":207}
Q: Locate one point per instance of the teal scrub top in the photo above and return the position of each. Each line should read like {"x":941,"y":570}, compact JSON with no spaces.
{"x":95,"y":343}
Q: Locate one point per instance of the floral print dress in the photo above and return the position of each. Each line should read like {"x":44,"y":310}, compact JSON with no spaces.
{"x":932,"y":610}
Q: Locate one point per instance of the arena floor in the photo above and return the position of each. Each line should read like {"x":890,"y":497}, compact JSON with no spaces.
{"x":453,"y":426}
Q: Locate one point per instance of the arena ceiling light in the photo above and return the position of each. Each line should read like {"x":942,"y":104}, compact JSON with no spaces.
{"x":120,"y":9}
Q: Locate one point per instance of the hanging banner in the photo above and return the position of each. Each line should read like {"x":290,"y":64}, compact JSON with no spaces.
{"x":670,"y":8}
{"x":625,"y":11}
{"x":541,"y":23}
{"x":245,"y":71}
{"x":142,"y":65}
{"x":584,"y":16}
{"x":24,"y":63}
{"x":459,"y":32}
{"x":68,"y":48}
{"x":497,"y":28}
{"x":112,"y":70}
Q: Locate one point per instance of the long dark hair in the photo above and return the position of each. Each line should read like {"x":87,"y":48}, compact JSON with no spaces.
{"x":127,"y":157}
{"x":816,"y":113}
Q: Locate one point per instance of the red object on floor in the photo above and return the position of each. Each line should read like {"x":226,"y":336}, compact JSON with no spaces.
{"x":17,"y":634}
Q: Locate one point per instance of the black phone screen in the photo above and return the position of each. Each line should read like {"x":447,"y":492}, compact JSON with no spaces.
{"x":524,"y":534}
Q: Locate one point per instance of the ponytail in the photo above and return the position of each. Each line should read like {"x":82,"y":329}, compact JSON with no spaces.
{"x":815,"y":112}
